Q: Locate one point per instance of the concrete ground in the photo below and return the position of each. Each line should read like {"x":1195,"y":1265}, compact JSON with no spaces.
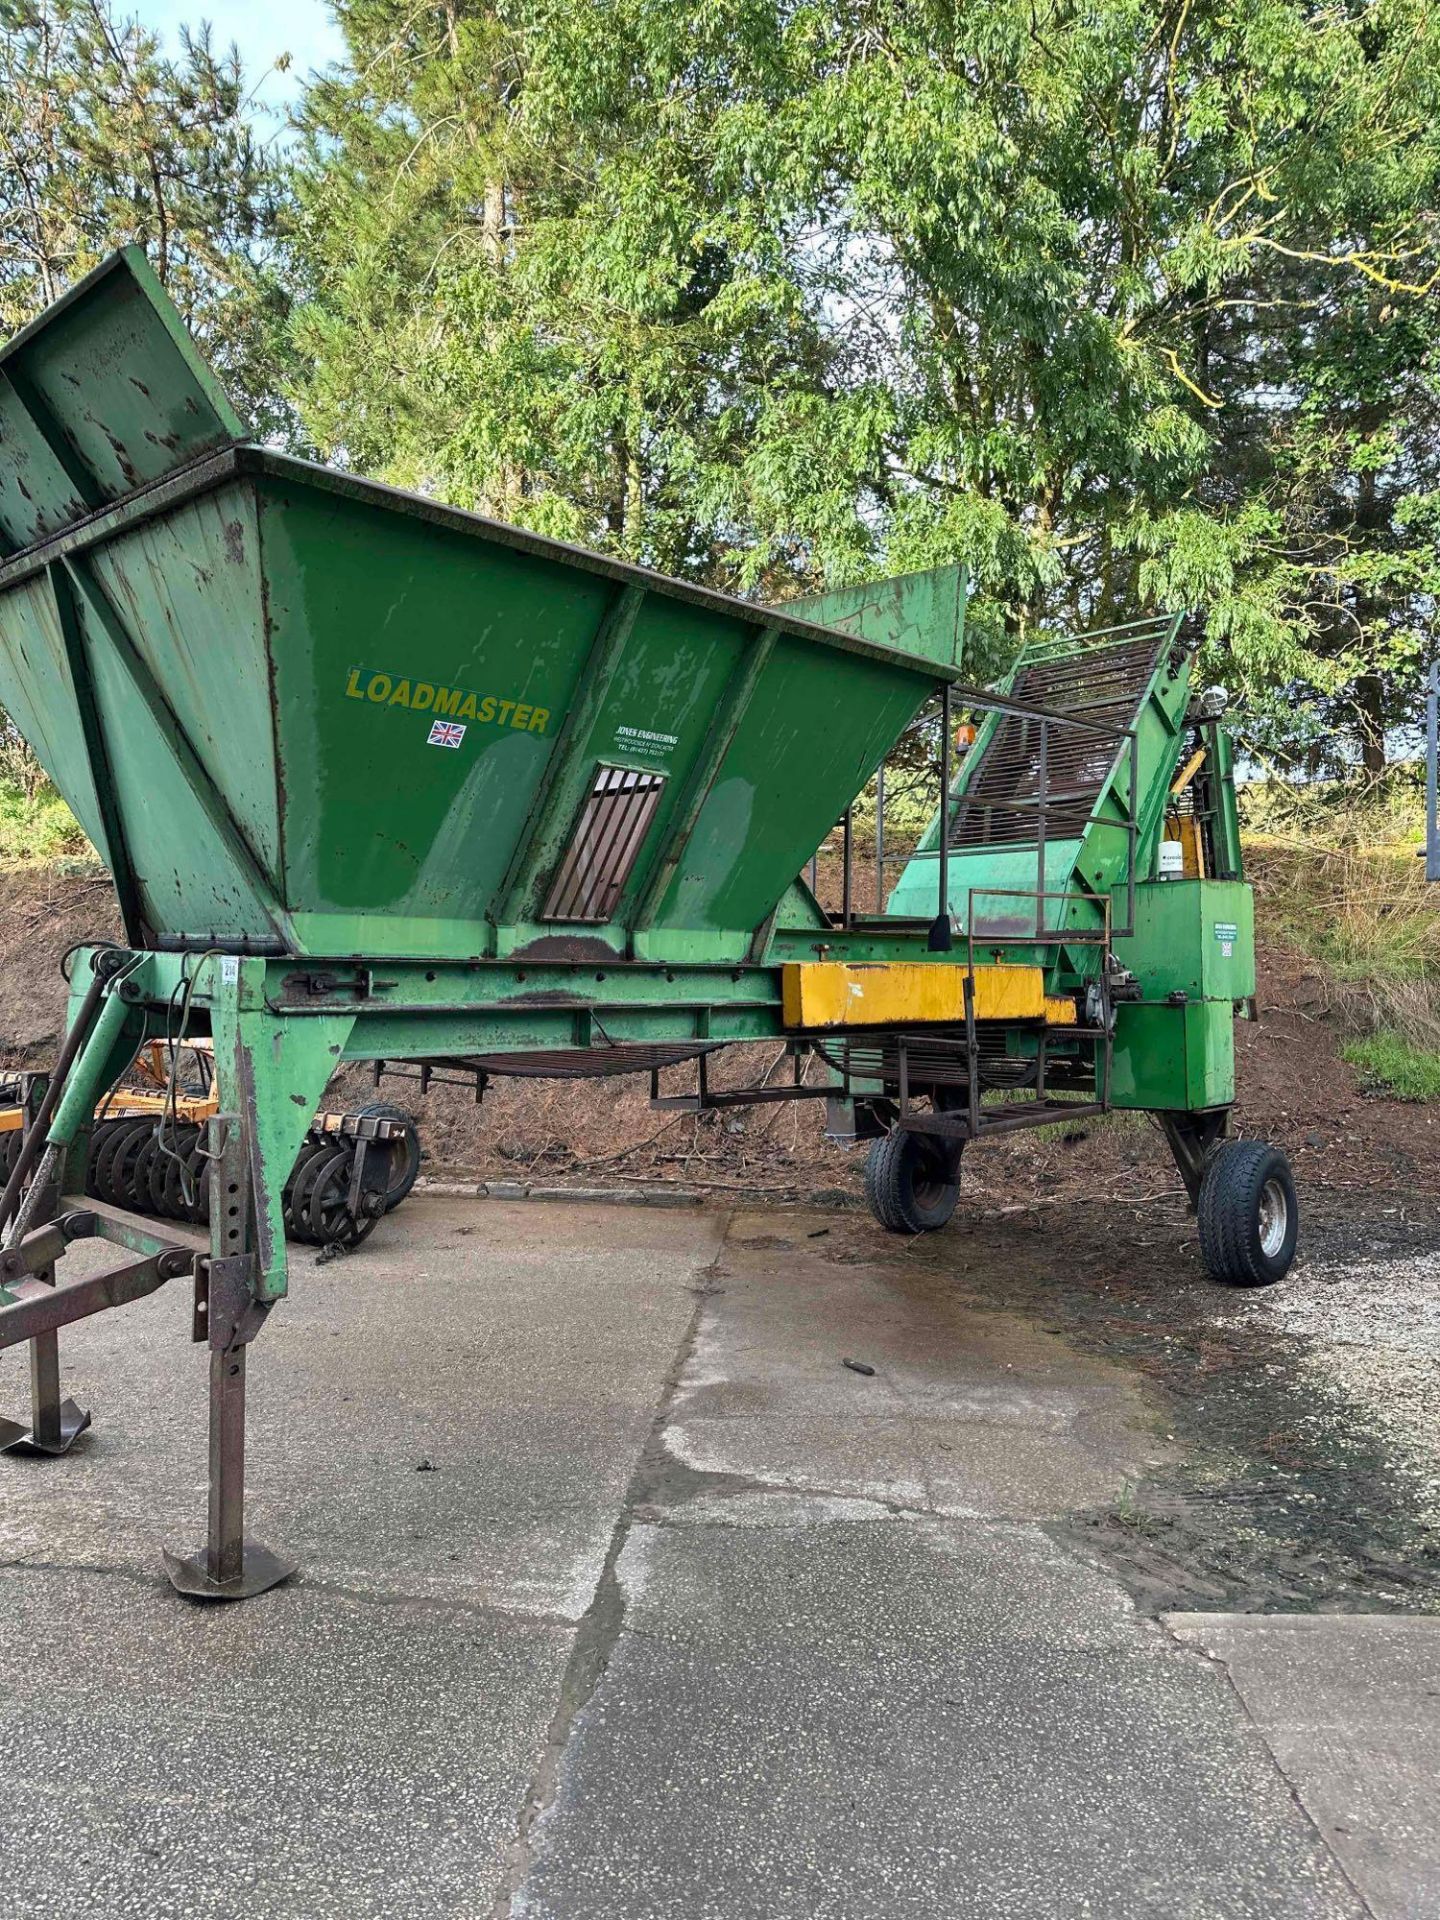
{"x":623,"y":1596}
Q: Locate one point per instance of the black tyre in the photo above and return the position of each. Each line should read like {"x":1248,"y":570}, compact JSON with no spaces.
{"x":1249,"y":1218}
{"x":912,"y":1182}
{"x":400,"y":1158}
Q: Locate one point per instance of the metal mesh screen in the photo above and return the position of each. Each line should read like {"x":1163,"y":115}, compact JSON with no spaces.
{"x":602,"y":850}
{"x":1100,"y":684}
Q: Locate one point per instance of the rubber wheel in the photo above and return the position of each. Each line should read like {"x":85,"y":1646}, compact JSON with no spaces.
{"x":912,"y":1182}
{"x":401,"y":1157}
{"x":1249,"y":1218}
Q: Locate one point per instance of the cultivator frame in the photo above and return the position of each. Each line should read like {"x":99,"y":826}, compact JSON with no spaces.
{"x":594,"y":874}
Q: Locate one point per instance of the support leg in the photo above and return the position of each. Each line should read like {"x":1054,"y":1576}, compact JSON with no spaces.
{"x":55,"y":1423}
{"x":1194,"y":1138}
{"x":228,"y":1315}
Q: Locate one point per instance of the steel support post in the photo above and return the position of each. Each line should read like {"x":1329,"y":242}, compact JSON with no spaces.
{"x":880,"y":838}
{"x":1042,"y":785}
{"x":228,"y":1316}
{"x":942,"y":932}
{"x":55,"y":1424}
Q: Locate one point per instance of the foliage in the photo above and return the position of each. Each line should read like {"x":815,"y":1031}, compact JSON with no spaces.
{"x":1117,"y":304}
{"x":1338,"y":882}
{"x":1387,"y":1062}
{"x":36,"y":826}
{"x":104,"y":140}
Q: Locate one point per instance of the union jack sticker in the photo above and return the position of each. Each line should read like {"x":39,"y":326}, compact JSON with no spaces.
{"x":445,"y":733}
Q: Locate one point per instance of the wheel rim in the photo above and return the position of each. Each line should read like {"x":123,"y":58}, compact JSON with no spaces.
{"x":1274,"y":1218}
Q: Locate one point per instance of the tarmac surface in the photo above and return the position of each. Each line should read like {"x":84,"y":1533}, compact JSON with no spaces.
{"x":622,"y":1595}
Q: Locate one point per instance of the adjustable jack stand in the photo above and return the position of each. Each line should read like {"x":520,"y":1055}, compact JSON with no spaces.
{"x":228,"y":1316}
{"x":55,"y":1424}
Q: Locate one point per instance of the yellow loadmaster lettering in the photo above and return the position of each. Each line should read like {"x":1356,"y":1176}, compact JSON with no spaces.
{"x":453,"y":703}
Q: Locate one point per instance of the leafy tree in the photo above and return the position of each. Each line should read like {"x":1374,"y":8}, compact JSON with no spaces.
{"x":104,"y":140}
{"x":1114,"y":302}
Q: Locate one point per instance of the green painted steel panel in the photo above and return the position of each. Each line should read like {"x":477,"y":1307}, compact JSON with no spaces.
{"x":38,"y":692}
{"x":997,"y":874}
{"x":1176,"y":1059}
{"x":188,"y":592}
{"x":810,"y":739}
{"x":189,"y":879}
{"x":367,"y":610}
{"x":302,"y":639}
{"x":101,"y":395}
{"x":1195,"y":937}
{"x":924,"y":613}
{"x":36,"y":493}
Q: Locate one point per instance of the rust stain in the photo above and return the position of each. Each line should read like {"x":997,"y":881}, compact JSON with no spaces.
{"x":566,"y":946}
{"x":546,"y":997}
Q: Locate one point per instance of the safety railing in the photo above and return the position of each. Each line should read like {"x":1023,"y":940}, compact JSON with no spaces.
{"x":1041,"y":804}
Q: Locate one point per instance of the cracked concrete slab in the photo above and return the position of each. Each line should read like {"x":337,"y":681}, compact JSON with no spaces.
{"x":685,"y":1618}
{"x":311,"y":1756}
{"x":1350,"y":1706}
{"x":920,"y":1717}
{"x":361,"y":1741}
{"x":519,"y":1350}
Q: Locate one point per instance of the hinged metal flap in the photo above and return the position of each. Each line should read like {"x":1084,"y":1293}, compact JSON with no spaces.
{"x":101,"y":395}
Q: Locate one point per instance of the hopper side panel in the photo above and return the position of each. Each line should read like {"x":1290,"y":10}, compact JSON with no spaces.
{"x":383,"y":627}
{"x":188,"y":589}
{"x":37,"y":496}
{"x":193,"y":879}
{"x":38,"y":693}
{"x":812,"y":735}
{"x":662,"y":704}
{"x":113,"y":396}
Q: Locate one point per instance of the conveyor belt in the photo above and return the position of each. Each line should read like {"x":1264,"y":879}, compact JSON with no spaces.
{"x":1102,"y":684}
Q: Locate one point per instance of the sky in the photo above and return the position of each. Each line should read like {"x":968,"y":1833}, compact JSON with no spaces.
{"x":262,"y":29}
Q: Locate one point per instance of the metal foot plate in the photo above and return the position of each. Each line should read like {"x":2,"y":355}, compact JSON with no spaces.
{"x":260,"y":1569}
{"x":17,"y":1439}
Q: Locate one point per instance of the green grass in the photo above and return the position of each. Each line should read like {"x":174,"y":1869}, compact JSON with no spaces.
{"x":1337,"y":881}
{"x":1387,"y":1061}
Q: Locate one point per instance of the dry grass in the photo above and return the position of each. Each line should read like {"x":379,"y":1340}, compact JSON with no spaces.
{"x":1337,"y":880}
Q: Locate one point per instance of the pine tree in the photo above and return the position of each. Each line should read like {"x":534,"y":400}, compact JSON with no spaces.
{"x":104,"y":140}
